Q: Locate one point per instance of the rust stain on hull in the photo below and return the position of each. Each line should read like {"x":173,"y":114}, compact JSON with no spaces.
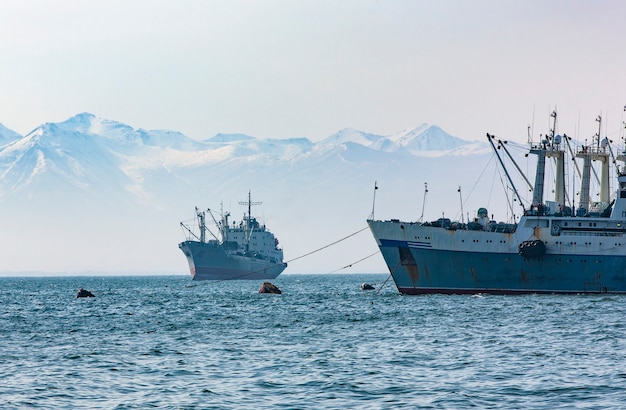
{"x":523,"y":276}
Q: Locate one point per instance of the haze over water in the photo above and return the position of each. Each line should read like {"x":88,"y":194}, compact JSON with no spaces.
{"x":169,"y":342}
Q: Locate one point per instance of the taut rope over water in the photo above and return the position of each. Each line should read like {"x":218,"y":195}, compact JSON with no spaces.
{"x":328,"y":246}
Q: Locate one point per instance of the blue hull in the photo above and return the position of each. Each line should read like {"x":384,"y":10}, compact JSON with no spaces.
{"x":435,"y":271}
{"x":426,"y":259}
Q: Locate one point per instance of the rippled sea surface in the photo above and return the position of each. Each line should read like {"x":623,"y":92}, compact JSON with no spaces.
{"x":168,"y":342}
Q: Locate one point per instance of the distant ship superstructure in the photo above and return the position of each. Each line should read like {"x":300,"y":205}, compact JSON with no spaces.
{"x":247,"y":250}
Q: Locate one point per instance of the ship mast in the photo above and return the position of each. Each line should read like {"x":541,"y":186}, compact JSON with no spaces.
{"x":559,"y":154}
{"x":622,"y":155}
{"x":202,"y":224}
{"x":247,"y":219}
{"x":539,"y":174}
{"x":549,"y":148}
{"x":223,"y":225}
{"x":588,"y":153}
{"x":603,"y":155}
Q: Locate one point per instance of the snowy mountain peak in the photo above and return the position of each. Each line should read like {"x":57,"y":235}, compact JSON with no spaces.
{"x":116,"y":135}
{"x":409,"y":132}
{"x":424,"y":138}
{"x":427,"y":137}
{"x":83,"y":121}
{"x":87,"y":123}
{"x":351,"y":135}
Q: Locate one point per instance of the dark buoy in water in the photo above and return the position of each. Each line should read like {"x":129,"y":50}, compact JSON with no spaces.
{"x":268,"y":287}
{"x":366,"y":286}
{"x":84,"y":293}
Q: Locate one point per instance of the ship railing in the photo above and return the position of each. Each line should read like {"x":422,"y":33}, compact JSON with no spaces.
{"x":492,"y":226}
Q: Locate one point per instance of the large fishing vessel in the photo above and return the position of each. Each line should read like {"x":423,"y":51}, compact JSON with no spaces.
{"x":555,"y":247}
{"x":246,"y":250}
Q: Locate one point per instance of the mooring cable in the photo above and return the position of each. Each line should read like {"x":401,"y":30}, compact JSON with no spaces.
{"x":354,"y":263}
{"x":328,"y":246}
{"x":391,"y":272}
{"x":383,"y":285}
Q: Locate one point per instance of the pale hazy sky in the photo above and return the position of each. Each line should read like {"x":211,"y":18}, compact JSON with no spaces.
{"x":293,"y":68}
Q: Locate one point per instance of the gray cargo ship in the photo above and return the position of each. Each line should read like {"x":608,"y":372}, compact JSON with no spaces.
{"x":247,"y":250}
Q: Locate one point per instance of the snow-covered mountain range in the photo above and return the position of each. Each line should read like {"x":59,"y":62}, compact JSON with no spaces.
{"x":91,"y":194}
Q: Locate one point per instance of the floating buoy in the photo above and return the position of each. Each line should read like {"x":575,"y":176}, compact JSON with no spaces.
{"x":84,"y":293}
{"x":268,"y":287}
{"x":366,"y":286}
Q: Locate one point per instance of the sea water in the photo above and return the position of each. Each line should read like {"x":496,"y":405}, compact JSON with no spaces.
{"x":168,"y":342}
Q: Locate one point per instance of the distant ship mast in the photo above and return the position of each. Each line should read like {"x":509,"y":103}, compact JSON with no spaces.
{"x":248,"y":228}
{"x":202,"y":223}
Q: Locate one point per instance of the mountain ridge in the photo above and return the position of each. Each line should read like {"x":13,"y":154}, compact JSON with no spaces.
{"x":87,"y":123}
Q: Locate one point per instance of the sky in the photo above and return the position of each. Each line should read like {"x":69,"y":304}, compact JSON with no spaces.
{"x":282,"y":69}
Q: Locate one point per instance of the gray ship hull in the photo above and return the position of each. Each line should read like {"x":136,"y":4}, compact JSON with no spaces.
{"x":211,"y":262}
